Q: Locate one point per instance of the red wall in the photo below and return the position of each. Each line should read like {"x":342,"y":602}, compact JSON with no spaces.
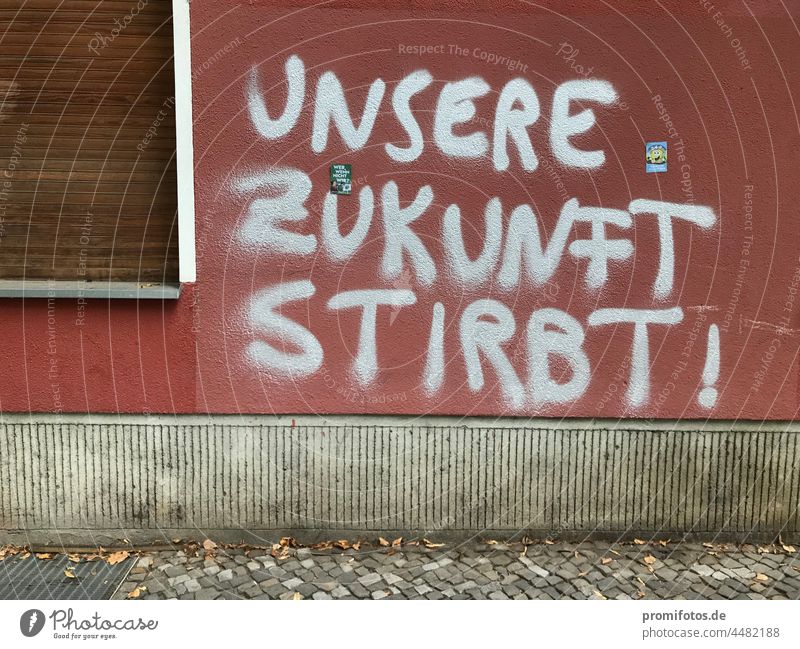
{"x":732,"y":155}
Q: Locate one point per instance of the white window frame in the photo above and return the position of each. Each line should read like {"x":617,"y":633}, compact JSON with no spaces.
{"x":187,"y":257}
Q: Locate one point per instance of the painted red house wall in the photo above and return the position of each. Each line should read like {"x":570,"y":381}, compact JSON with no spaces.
{"x":277,"y":322}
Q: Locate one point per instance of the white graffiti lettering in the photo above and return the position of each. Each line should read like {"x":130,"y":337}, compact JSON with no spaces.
{"x":429,"y":243}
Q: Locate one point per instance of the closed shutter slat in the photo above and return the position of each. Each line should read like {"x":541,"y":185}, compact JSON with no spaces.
{"x":90,"y":195}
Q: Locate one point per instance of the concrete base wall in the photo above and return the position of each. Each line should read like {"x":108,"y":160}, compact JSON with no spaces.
{"x":99,"y":479}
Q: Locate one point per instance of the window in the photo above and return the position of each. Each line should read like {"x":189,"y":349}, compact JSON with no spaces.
{"x":89,"y":193}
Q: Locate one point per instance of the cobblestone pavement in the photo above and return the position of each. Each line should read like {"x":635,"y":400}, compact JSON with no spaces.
{"x":476,"y":570}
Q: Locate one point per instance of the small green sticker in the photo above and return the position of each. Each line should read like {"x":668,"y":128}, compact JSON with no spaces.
{"x":341,"y":179}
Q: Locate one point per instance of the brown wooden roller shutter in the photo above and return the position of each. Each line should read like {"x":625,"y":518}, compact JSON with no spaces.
{"x":87,"y":141}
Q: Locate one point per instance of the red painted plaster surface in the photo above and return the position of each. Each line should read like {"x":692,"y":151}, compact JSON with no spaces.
{"x":735,"y":128}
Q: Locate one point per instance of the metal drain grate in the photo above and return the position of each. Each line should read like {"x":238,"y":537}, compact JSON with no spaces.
{"x":33,"y":578}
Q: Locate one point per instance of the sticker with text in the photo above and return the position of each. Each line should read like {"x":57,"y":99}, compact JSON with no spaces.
{"x":655,"y":156}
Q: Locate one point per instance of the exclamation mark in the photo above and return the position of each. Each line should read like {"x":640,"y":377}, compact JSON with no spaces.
{"x":708,"y":395}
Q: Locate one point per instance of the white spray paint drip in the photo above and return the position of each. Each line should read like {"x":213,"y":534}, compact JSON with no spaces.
{"x":514,"y":122}
{"x":599,"y":250}
{"x":708,"y":395}
{"x":433,"y":376}
{"x":462,"y":268}
{"x":566,"y":343}
{"x":264,"y":315}
{"x":332,"y":106}
{"x":407,"y":88}
{"x":666,"y":212}
{"x":399,"y":237}
{"x":265,"y":215}
{"x":259,"y":116}
{"x":455,"y":106}
{"x":639,"y":384}
{"x":338,"y":247}
{"x":564,"y":125}
{"x":365,"y":366}
{"x":481,"y":335}
{"x":524,"y":245}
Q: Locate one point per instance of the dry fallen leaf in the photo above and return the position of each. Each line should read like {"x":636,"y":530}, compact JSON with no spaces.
{"x":606,"y":560}
{"x":382,"y":541}
{"x":599,"y":594}
{"x":546,"y":542}
{"x":342,"y":544}
{"x":649,"y":559}
{"x":493,"y":542}
{"x":69,"y":574}
{"x":297,"y":596}
{"x":663,"y":544}
{"x":135,"y":593}
{"x":209,"y":545}
{"x":708,"y":545}
{"x":639,"y":542}
{"x":117,"y":557}
{"x":44,"y":555}
{"x":75,"y":558}
{"x":431,"y":545}
{"x":279,"y":552}
{"x":761,"y":577}
{"x":397,"y":542}
{"x":789,"y":548}
{"x":639,"y":594}
{"x":8,"y":551}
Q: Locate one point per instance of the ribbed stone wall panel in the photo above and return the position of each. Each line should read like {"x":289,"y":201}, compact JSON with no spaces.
{"x":138,"y":476}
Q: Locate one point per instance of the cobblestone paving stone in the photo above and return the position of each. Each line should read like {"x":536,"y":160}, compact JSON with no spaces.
{"x":477,"y":570}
